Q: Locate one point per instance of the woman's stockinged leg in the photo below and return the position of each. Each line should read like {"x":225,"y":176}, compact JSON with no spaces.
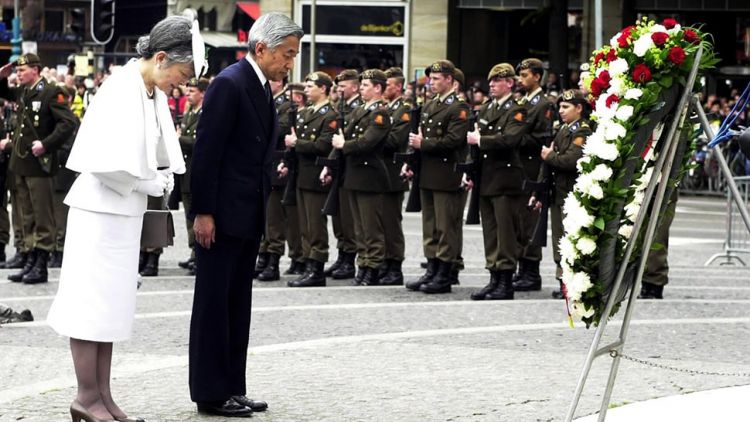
{"x":85,"y":361}
{"x":104,"y":370}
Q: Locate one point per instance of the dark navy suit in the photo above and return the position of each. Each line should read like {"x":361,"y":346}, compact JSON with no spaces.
{"x":231,"y":180}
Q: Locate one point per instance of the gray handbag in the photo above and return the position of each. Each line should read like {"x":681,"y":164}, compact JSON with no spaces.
{"x":158,"y":228}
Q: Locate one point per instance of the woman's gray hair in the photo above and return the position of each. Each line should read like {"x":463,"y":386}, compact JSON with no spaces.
{"x":272,"y":29}
{"x":171,"y":35}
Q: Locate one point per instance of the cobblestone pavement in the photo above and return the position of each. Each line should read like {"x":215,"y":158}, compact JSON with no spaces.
{"x":344,"y":353}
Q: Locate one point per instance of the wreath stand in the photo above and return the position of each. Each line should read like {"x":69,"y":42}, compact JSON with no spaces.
{"x":653,"y":204}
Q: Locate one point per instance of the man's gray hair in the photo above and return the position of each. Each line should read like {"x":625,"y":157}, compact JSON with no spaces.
{"x":171,"y":35}
{"x":272,"y":29}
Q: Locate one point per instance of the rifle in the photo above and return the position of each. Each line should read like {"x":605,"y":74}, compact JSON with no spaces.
{"x":336,"y":168}
{"x":473,"y":170}
{"x":412,"y":157}
{"x":289,"y":197}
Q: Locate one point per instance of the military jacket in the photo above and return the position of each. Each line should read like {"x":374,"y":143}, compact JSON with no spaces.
{"x":397,"y":141}
{"x":283,"y":106}
{"x":350,"y":106}
{"x":501,"y":126}
{"x":539,"y":113}
{"x":567,"y":149}
{"x":188,"y":126}
{"x":315,"y":129}
{"x":444,"y":126}
{"x":365,"y":136}
{"x":43,"y":114}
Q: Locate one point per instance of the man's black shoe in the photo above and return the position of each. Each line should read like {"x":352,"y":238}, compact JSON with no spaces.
{"x":271,"y":272}
{"x":346,"y":269}
{"x":504,"y":289}
{"x":18,"y":260}
{"x":186,"y":264}
{"x":260,"y":265}
{"x":432,"y":268}
{"x":229,"y":409}
{"x":328,"y":272}
{"x":29,"y":264}
{"x":492,"y":285}
{"x":651,"y":291}
{"x":255,"y":405}
{"x":529,"y":279}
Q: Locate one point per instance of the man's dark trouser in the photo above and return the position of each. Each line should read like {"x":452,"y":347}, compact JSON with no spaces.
{"x":502,"y":229}
{"x":313,"y":225}
{"x":35,"y":197}
{"x":657,"y":267}
{"x":187,"y":201}
{"x":367,"y":212}
{"x":343,"y":224}
{"x":220,"y":323}
{"x":395,"y":245}
{"x":442,"y":215}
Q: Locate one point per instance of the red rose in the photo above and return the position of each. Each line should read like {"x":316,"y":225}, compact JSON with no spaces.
{"x":660,"y":38}
{"x":669,"y":23}
{"x":612,"y":55}
{"x":612,"y":99}
{"x":599,"y":57}
{"x":593,"y":104}
{"x":604,"y":76}
{"x":691,"y":36}
{"x":596,"y":87}
{"x":641,"y":73}
{"x":676,"y":55}
{"x":624,"y":38}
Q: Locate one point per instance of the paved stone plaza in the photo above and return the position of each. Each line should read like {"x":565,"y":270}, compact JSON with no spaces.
{"x":344,"y":353}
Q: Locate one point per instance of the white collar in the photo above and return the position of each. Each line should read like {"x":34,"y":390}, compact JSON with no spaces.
{"x":533,"y":93}
{"x":257,"y":70}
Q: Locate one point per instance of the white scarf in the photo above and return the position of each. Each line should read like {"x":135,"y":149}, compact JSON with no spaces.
{"x":113,"y":137}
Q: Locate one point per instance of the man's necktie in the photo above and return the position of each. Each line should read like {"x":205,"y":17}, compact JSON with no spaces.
{"x":267,"y":88}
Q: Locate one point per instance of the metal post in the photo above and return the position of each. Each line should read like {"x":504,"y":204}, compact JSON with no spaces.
{"x":17,"y":39}
{"x":594,"y":350}
{"x":313,"y":22}
{"x":598,"y":26}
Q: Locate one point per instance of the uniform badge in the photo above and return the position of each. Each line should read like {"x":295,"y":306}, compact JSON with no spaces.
{"x":463,"y":115}
{"x":450,"y":100}
{"x":507,"y":105}
{"x":579,"y":141}
{"x":40,"y":86}
{"x":324,"y":109}
{"x":518,"y":117}
{"x":332,"y":125}
{"x":60,"y":98}
{"x":574,"y":127}
{"x":379,"y":119}
{"x":535,"y":99}
{"x":405,"y":117}
{"x":36,"y":105}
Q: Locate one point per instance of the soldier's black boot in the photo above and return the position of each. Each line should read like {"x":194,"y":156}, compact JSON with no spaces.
{"x":394,"y":276}
{"x":18,"y":260}
{"x":55,"y":259}
{"x":186,"y":264}
{"x":520,"y":270}
{"x":454,"y":276}
{"x":328,"y":272}
{"x":492,"y":285}
{"x":260,"y":265}
{"x":346,"y":269}
{"x":37,"y":273}
{"x":314,"y":278}
{"x":271,"y":272}
{"x":357,"y":280}
{"x":651,"y":291}
{"x":142,"y":261}
{"x":441,"y":282}
{"x":432,"y":267}
{"x":151,"y":269}
{"x":558,"y":293}
{"x":28,"y":265}
{"x":296,"y":267}
{"x":504,"y":289}
{"x":530,"y":280}
{"x":370,"y":278}
{"x":2,"y":255}
{"x":307,"y":268}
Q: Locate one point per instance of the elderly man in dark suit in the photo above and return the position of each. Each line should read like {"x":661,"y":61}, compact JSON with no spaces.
{"x":231,"y":181}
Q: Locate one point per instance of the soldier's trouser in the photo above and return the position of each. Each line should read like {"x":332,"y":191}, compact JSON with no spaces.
{"x":367,"y":212}
{"x":343,"y":224}
{"x":275,"y":223}
{"x":313,"y":224}
{"x":557,"y":216}
{"x":395,"y":245}
{"x":657,"y":267}
{"x":529,"y":219}
{"x":502,"y":229}
{"x":4,"y":219}
{"x":15,"y":210}
{"x":35,"y":197}
{"x":187,"y":204}
{"x":155,"y":203}
{"x":293,"y":236}
{"x":61,"y":220}
{"x":460,"y":260}
{"x":442,"y":216}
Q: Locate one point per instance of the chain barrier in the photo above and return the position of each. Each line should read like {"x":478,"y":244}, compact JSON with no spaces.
{"x":614,"y":353}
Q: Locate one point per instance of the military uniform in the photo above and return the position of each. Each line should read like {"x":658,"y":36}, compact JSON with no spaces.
{"x":63,"y":182}
{"x":366,"y":179}
{"x":538,"y":133}
{"x":44,"y":115}
{"x":189,"y":125}
{"x":567,"y":149}
{"x":656,"y":275}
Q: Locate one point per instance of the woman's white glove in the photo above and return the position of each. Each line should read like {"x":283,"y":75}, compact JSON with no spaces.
{"x":154,"y":187}
{"x":170,"y":180}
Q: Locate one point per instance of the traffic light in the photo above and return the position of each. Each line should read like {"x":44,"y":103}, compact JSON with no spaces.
{"x":102,"y":20}
{"x":78,"y":22}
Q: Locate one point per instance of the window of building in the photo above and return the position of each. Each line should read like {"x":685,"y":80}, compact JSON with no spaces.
{"x":353,"y":34}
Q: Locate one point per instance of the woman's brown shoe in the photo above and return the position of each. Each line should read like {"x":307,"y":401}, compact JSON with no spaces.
{"x":127,"y":419}
{"x":79,"y":413}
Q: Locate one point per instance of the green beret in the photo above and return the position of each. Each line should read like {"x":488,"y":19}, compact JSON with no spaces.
{"x":29,"y":59}
{"x":441,"y":66}
{"x":394,"y":72}
{"x":375,"y":75}
{"x":347,"y":75}
{"x":320,"y":78}
{"x":501,"y":70}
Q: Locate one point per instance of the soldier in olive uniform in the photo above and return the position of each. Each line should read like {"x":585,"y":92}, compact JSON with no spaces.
{"x":656,"y":275}
{"x":561,"y":158}
{"x":45,"y":123}
{"x":186,"y":131}
{"x":393,"y":199}
{"x":366,"y":177}
{"x":497,"y":133}
{"x":7,"y":187}
{"x":442,"y":142}
{"x":311,"y":138}
{"x":347,"y":85}
{"x":538,"y":133}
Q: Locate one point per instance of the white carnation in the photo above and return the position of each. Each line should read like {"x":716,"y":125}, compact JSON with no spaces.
{"x":576,"y":284}
{"x":633,"y":94}
{"x":579,"y":310}
{"x":616,"y":86}
{"x":644,"y":179}
{"x":596,"y":191}
{"x":624,"y":113}
{"x":642,"y":45}
{"x":567,"y":249}
{"x":657,"y":28}
{"x":601,"y":172}
{"x":618,"y":67}
{"x":613,"y":41}
{"x":626,"y":230}
{"x":602,"y":111}
{"x":576,"y":217}
{"x":600,"y":148}
{"x":613,"y":130}
{"x":581,"y":161}
{"x":674,"y":30}
{"x":586,"y":245}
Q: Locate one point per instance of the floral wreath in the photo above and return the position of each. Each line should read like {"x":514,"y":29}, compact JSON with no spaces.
{"x":629,"y":81}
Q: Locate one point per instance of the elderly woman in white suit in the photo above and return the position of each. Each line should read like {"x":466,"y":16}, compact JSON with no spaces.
{"x":125,"y":150}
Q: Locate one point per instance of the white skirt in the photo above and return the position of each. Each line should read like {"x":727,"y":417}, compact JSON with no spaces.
{"x":98,"y":280}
